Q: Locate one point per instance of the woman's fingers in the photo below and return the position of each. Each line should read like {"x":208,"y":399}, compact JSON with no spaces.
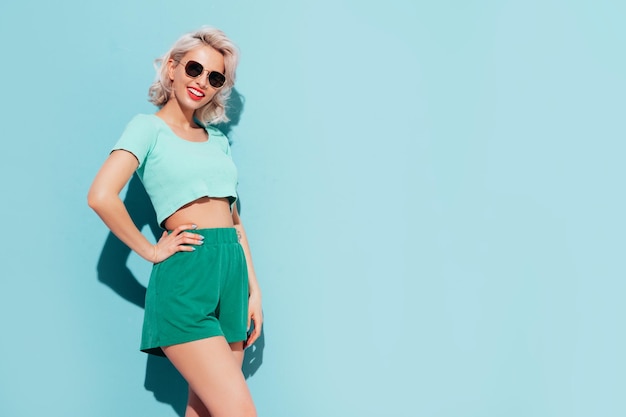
{"x":255,"y":315}
{"x":254,"y":335}
{"x":182,"y":237}
{"x":193,"y":238}
{"x":184,"y":227}
{"x":179,"y":240}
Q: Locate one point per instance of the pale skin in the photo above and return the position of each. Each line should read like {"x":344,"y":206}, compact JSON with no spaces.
{"x":212,"y":367}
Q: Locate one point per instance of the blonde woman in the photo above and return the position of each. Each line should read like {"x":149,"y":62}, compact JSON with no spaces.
{"x":203,"y":294}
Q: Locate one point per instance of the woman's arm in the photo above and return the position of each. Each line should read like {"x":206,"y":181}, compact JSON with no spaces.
{"x":103,"y":198}
{"x":255,"y":312}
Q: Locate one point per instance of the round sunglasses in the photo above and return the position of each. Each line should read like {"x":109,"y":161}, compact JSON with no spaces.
{"x":194,"y":69}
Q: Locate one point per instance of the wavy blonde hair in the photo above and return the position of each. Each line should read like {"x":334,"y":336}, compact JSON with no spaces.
{"x":161,"y":88}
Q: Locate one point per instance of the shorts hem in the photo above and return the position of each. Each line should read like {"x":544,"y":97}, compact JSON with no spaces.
{"x":156,"y":349}
{"x":237,"y":339}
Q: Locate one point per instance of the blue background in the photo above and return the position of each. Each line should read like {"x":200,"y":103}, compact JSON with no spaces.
{"x":433,"y":192}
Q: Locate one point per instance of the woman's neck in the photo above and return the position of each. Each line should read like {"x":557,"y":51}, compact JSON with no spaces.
{"x":175,"y":115}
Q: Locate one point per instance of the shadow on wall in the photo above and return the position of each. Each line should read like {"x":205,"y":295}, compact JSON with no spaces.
{"x":234,"y":110}
{"x":162,"y":379}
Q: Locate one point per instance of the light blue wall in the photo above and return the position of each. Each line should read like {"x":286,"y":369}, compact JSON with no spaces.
{"x":433,"y":192}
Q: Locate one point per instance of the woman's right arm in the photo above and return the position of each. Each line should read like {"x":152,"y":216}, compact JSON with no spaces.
{"x":104,"y":199}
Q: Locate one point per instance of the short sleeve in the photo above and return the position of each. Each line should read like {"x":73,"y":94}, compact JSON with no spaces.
{"x":138,"y":138}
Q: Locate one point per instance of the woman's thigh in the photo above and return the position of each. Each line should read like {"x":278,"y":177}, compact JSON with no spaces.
{"x":213,"y":370}
{"x":237,"y":349}
{"x":195,"y":407}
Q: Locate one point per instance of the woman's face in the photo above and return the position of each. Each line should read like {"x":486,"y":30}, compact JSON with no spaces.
{"x":190,"y":92}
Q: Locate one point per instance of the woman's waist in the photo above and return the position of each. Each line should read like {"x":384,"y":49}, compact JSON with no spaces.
{"x":205,"y":213}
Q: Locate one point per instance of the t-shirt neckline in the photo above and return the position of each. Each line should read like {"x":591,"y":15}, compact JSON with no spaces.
{"x":178,"y":137}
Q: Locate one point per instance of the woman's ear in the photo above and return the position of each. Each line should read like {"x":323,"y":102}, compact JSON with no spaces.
{"x":171,"y":65}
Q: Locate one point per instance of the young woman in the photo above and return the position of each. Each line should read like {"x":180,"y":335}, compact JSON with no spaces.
{"x":203,"y":294}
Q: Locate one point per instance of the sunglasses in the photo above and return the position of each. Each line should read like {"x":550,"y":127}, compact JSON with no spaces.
{"x":194,"y":69}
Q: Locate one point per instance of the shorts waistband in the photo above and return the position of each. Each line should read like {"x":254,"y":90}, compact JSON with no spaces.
{"x":218,"y":235}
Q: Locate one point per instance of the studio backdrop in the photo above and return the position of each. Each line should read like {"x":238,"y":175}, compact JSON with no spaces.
{"x":433,"y":192}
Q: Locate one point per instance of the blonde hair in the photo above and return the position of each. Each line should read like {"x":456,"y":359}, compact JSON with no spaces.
{"x":161,"y":88}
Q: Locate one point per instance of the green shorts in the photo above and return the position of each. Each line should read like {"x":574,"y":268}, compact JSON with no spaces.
{"x":198,"y":294}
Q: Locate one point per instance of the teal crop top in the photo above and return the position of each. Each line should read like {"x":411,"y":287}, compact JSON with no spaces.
{"x":175,"y":171}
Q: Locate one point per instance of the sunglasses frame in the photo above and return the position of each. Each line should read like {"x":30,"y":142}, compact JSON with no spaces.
{"x":221,"y":77}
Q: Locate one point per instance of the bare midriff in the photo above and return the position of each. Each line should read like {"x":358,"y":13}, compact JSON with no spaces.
{"x":205,"y":212}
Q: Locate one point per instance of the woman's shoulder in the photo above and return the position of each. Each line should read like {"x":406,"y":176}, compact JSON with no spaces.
{"x":144,"y":119}
{"x":215,"y":131}
{"x":144,"y":125}
{"x":140,"y":133}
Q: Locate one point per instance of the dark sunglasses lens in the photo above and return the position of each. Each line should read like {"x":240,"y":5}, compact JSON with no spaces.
{"x":216,"y":79}
{"x":193,"y":69}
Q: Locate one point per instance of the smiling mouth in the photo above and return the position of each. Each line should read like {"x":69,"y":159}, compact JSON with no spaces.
{"x":195,"y":94}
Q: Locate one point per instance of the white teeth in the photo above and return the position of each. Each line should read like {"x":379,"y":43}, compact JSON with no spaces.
{"x":196,"y":92}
